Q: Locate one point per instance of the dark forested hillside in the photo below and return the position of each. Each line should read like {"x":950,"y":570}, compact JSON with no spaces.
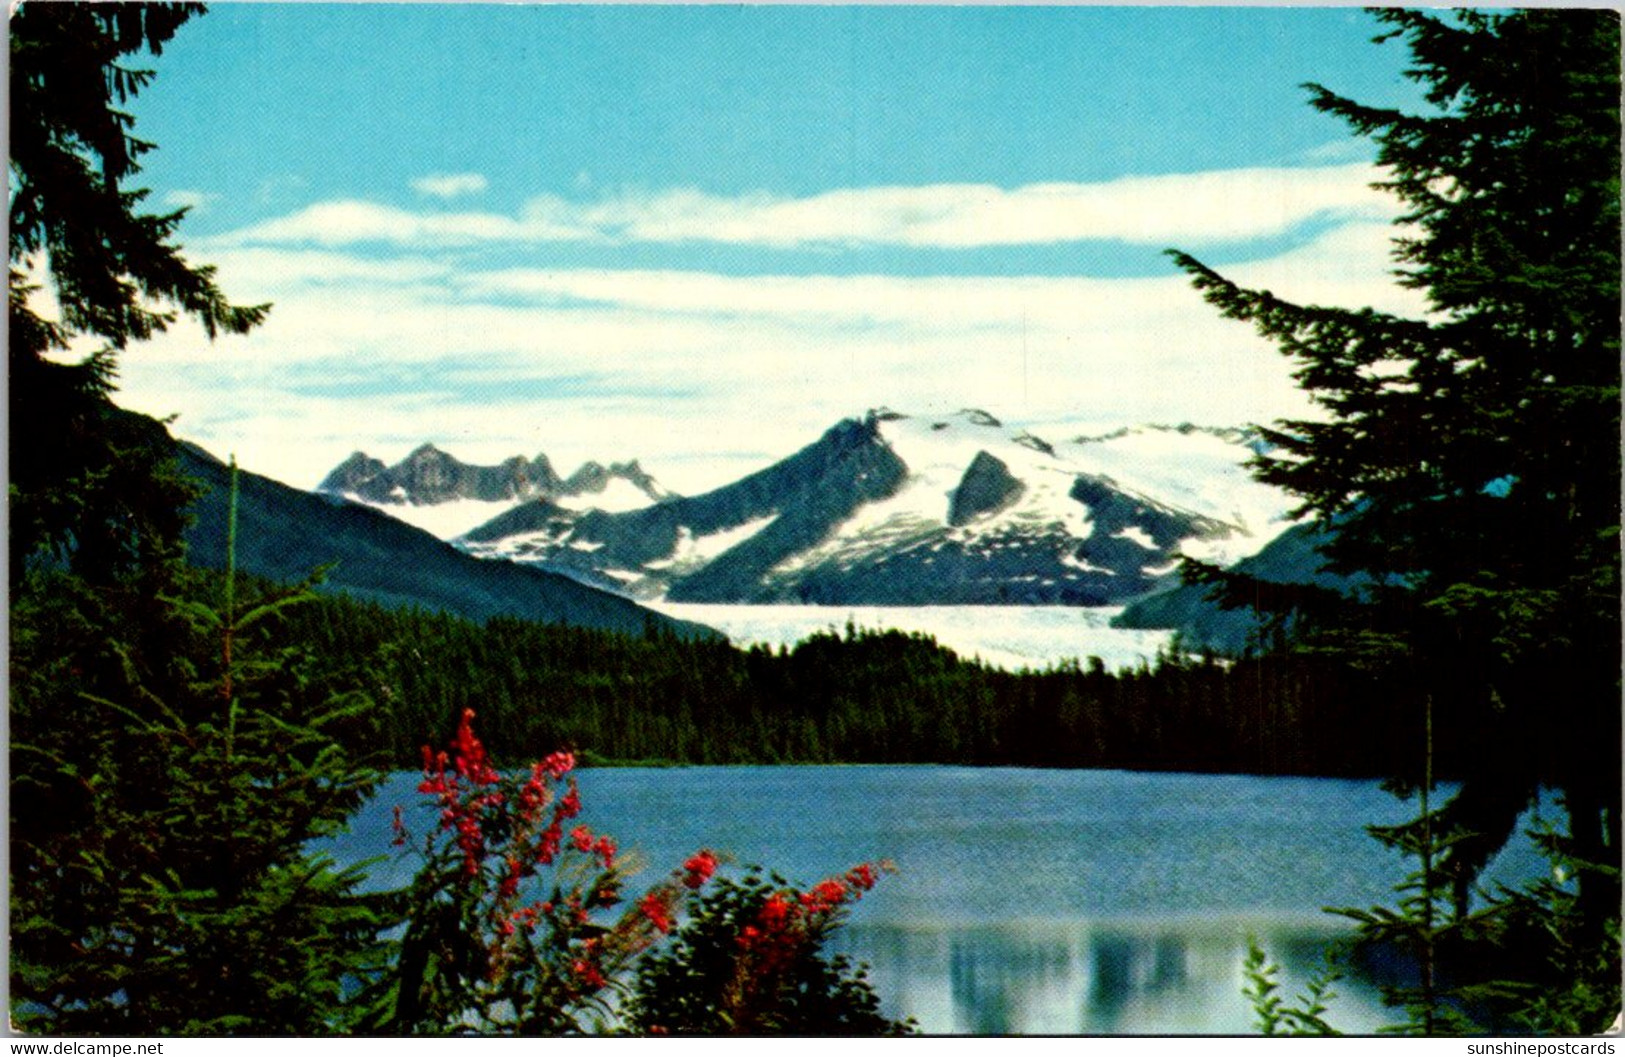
{"x":284,"y":533}
{"x":861,"y":696}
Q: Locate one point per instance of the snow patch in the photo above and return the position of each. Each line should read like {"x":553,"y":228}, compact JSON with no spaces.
{"x":619,"y":495}
{"x":1136,"y":534}
{"x":1084,"y":565}
{"x":446,"y":521}
{"x":1198,"y":470}
{"x":693,"y":551}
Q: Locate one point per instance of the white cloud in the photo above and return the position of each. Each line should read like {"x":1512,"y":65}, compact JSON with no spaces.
{"x":196,"y":201}
{"x":1343,"y":266}
{"x":704,"y":375}
{"x":350,"y":222}
{"x":1191,"y":209}
{"x":1339,"y":151}
{"x":253,"y":273}
{"x":450,"y":185}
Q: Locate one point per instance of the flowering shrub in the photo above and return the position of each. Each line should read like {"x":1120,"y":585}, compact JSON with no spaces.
{"x":517,"y":923}
{"x":492,"y":947}
{"x":750,"y":961}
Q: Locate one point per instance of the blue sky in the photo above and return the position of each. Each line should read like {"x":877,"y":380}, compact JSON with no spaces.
{"x":701,"y":235}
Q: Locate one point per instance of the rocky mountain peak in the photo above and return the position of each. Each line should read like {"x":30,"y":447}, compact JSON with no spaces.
{"x":987,"y":487}
{"x":429,"y":476}
{"x":977,"y":417}
{"x":351,"y":473}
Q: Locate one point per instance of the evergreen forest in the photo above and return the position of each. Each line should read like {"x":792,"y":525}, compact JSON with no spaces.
{"x":181,"y":735}
{"x":841,"y":696}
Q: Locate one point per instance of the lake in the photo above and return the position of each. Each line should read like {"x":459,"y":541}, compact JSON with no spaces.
{"x":1027,"y":901}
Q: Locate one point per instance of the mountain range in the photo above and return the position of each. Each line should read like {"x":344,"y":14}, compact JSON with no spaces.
{"x":882,"y":509}
{"x":285,"y":533}
{"x":439,"y":493}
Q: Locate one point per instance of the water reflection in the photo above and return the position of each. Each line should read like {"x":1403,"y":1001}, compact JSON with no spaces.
{"x":1092,"y":979}
{"x":1132,"y":890}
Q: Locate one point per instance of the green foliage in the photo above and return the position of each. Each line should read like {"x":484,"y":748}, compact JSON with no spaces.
{"x":163,"y":786}
{"x":89,"y":484}
{"x":1465,"y":472}
{"x":171,"y":760}
{"x":1423,"y":925}
{"x":750,"y":961}
{"x":72,"y":149}
{"x":1275,"y":1017}
{"x":1467,"y":465}
{"x":1519,"y":962}
{"x":1558,"y":976}
{"x":172,"y":753}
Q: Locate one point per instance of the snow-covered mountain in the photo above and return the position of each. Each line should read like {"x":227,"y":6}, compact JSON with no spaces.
{"x":436,"y":492}
{"x":892,"y":509}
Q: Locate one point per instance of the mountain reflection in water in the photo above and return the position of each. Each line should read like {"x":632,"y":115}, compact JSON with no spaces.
{"x":1067,"y":978}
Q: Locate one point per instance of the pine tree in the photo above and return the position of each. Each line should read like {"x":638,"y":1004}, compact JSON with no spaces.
{"x":172,"y":758}
{"x":1468,"y":463}
{"x":87,"y":483}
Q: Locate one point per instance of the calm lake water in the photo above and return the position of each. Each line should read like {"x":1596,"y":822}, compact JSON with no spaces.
{"x":1028,"y":901}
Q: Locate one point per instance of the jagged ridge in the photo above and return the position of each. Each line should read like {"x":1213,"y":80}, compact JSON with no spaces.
{"x":429,"y":477}
{"x":891,"y":509}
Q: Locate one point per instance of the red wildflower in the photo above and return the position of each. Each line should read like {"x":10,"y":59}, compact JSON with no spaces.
{"x":435,"y":781}
{"x":775,"y":912}
{"x":862,"y":876}
{"x":535,"y":795}
{"x":605,"y":850}
{"x":655,"y":909}
{"x":570,"y":805}
{"x":825,"y":895}
{"x":547,"y":849}
{"x":588,"y":973}
{"x":581,"y":837}
{"x":698,"y":869}
{"x":558,"y":764}
{"x":510,"y":880}
{"x":471,"y":839}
